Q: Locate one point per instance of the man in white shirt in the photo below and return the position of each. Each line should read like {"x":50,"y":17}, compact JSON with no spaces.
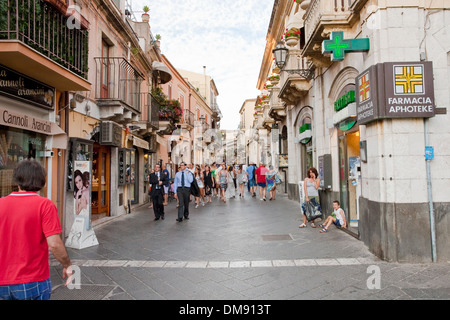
{"x":182,"y":189}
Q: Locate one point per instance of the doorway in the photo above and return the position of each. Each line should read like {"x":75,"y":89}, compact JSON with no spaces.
{"x":350,"y":178}
{"x":101,"y":186}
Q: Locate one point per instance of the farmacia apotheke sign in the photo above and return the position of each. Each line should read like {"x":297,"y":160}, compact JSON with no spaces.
{"x":395,"y":90}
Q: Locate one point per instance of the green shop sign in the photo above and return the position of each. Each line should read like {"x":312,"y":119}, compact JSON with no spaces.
{"x":337,"y":46}
{"x":305,"y":127}
{"x":344,"y":101}
{"x":345,"y":107}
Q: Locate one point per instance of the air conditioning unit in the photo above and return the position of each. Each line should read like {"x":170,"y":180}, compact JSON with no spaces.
{"x":110,"y":134}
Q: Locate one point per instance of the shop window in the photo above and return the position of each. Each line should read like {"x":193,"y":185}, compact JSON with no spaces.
{"x":15,"y":146}
{"x":128,"y":171}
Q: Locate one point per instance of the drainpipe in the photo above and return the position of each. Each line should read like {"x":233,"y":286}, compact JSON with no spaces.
{"x":430,"y":197}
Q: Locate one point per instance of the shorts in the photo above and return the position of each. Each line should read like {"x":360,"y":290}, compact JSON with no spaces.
{"x":337,"y":223}
{"x":262,"y":184}
{"x":252,"y":183}
{"x":40,"y":290}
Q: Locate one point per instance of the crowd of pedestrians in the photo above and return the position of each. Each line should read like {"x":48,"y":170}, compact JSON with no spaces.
{"x":201,"y":183}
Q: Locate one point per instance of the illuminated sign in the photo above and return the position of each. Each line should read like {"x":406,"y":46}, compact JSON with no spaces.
{"x":344,"y":100}
{"x":337,"y":46}
{"x":22,"y":87}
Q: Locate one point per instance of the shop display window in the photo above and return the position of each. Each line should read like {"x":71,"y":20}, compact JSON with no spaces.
{"x":15,"y":146}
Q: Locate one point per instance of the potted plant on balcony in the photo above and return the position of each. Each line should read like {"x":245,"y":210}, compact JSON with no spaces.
{"x":158,"y":40}
{"x":291,"y":37}
{"x":170,"y":111}
{"x":145,"y":15}
{"x":274,"y":79}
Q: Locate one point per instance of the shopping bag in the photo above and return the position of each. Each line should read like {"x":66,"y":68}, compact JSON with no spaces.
{"x":278,"y":179}
{"x":312,"y":210}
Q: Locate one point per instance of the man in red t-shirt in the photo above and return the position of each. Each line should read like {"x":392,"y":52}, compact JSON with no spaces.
{"x":29,"y":227}
{"x":261,"y":180}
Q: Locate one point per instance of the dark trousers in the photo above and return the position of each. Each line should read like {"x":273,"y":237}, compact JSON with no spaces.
{"x":183,"y":195}
{"x":158,"y":204}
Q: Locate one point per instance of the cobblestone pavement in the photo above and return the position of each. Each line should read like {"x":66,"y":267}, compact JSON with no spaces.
{"x":246,"y":249}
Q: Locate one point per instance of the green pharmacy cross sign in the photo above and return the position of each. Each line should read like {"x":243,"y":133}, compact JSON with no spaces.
{"x":338,"y":46}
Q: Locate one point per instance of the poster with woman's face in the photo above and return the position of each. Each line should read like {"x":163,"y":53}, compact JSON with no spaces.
{"x":82,"y":191}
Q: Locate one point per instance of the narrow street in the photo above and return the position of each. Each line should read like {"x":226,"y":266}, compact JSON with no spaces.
{"x":245,"y":249}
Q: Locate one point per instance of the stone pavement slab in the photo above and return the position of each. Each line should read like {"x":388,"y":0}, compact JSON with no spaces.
{"x":245,"y":249}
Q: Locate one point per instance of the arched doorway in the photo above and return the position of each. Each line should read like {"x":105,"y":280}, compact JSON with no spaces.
{"x":342,"y":98}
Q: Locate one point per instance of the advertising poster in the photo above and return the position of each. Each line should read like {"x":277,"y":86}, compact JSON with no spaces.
{"x":82,"y":191}
{"x":82,"y":235}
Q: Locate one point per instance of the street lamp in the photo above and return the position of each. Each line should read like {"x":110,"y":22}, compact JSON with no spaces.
{"x":280,"y":52}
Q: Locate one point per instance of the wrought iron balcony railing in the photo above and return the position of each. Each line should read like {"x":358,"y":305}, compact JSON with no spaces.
{"x":153,"y":111}
{"x":118,"y":80}
{"x":188,"y":117}
{"x":39,"y":25}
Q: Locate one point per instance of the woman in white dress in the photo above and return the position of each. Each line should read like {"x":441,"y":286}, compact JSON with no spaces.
{"x":231,"y":190}
{"x":198,"y":174}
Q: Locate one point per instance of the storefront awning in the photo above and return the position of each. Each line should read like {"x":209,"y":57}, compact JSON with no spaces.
{"x":30,"y":123}
{"x":140,"y":143}
{"x":161,"y":71}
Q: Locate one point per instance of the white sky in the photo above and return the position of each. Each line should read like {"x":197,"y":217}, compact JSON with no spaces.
{"x":226,"y":36}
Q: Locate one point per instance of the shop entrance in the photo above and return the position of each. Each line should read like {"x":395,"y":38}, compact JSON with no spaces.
{"x":350,"y":177}
{"x":101,"y":186}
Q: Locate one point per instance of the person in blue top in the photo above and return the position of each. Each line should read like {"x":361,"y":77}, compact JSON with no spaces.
{"x":252,"y":179}
{"x":182,"y":189}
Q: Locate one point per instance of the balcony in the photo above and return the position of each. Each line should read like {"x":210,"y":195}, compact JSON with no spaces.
{"x":324,"y":16}
{"x":149,"y":121}
{"x":38,"y":40}
{"x":216,"y":115}
{"x":267,"y":119}
{"x":295,"y":78}
{"x":117,"y":90}
{"x":188,"y":120}
{"x":276,"y":106}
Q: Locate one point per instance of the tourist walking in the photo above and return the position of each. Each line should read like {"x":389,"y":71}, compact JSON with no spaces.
{"x":223,"y":180}
{"x":29,"y":227}
{"x":166,"y":185}
{"x":182,"y":188}
{"x":198,"y":174}
{"x":271,"y":183}
{"x":231,"y":188}
{"x":252,"y":179}
{"x":216,"y":174}
{"x":242,"y":179}
{"x":261,"y":180}
{"x":209,"y":183}
{"x":158,"y":180}
{"x":311,"y":186}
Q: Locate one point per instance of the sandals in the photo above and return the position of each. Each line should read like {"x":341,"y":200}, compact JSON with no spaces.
{"x":302,"y":225}
{"x":323,"y":230}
